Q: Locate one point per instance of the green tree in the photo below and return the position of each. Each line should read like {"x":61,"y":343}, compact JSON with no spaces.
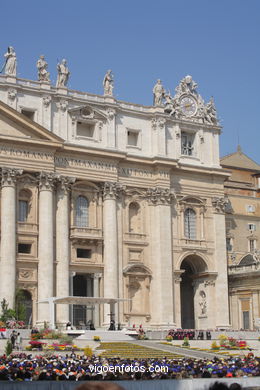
{"x":20,"y":309}
{"x":7,"y":314}
{"x":8,"y":348}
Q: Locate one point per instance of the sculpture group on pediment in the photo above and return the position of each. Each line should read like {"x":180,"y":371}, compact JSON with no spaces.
{"x":186,"y":103}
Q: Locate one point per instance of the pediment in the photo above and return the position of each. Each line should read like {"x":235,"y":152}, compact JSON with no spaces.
{"x":86,"y":113}
{"x":13,"y":124}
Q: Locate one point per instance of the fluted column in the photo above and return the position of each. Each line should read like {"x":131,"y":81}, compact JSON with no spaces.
{"x":45,"y":246}
{"x":63,"y":246}
{"x":8,"y":235}
{"x":96,"y":294}
{"x":110,"y":193}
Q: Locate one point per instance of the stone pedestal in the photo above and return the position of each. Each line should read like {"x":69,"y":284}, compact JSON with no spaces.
{"x":8,"y":235}
{"x":45,"y":252}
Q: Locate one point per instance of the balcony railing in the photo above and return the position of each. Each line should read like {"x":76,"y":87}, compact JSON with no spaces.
{"x":27,"y":227}
{"x":135,"y":237}
{"x":243,"y":269}
{"x":85,"y":232}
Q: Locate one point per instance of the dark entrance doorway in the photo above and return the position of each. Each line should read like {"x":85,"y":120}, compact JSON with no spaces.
{"x":192,"y":265}
{"x":82,"y":287}
{"x":24,"y":306}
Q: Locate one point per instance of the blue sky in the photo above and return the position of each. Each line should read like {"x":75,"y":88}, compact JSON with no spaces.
{"x":216,"y":41}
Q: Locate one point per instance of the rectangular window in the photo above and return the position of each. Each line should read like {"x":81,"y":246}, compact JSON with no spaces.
{"x":187,"y":141}
{"x":23,"y":211}
{"x":28,"y":113}
{"x":132,"y":138}
{"x":24,"y":248}
{"x":83,"y":253}
{"x":252,"y":227}
{"x":251,"y":245}
{"x":250,"y":208}
{"x":85,"y":130}
{"x":229,"y":244}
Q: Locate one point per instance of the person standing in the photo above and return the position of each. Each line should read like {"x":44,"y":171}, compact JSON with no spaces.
{"x":19,"y":342}
{"x":13,"y":337}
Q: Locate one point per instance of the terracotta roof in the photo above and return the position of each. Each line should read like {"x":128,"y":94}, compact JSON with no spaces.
{"x":239,"y":160}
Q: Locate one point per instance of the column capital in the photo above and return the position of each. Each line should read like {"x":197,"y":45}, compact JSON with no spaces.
{"x":97,"y":276}
{"x":65,"y":183}
{"x":112,"y":190}
{"x":158,"y":195}
{"x":9,"y":176}
{"x":46,"y":181}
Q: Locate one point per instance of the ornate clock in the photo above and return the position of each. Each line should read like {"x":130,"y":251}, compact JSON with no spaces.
{"x":188,"y":105}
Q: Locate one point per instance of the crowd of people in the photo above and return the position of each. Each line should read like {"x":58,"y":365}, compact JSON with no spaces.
{"x":22,"y":367}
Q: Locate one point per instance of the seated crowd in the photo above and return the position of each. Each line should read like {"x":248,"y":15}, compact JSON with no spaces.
{"x":22,"y":367}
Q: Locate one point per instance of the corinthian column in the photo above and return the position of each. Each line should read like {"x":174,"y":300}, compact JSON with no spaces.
{"x":110,"y":193}
{"x":8,"y":235}
{"x":160,"y":200}
{"x":45,"y":247}
{"x":62,"y":246}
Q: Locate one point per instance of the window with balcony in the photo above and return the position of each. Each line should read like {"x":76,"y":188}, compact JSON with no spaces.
{"x":82,"y":211}
{"x":190,"y":224}
{"x":252,"y":245}
{"x":187,"y":144}
{"x":229,"y":244}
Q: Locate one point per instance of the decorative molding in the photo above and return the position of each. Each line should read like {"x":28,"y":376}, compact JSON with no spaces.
{"x":12,"y":93}
{"x":112,"y":190}
{"x":46,"y":181}
{"x":157,"y":195}
{"x":65,"y":183}
{"x":220,"y":204}
{"x":62,"y":105}
{"x":111,"y":114}
{"x":209,"y":283}
{"x":46,"y":101}
{"x":9,"y":176}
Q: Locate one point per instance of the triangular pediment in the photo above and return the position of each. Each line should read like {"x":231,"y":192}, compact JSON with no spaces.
{"x":239,"y":160}
{"x":15,"y":125}
{"x":87,"y":113}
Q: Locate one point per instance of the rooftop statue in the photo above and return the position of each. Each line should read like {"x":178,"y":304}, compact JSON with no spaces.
{"x":63,"y":74}
{"x":42,"y":66}
{"x":158,"y":93}
{"x":108,"y":83}
{"x":10,"y":62}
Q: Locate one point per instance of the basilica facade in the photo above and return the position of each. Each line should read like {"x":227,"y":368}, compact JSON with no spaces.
{"x":104,"y":198}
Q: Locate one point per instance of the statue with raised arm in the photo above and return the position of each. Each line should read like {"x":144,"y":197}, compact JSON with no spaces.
{"x":10,"y":62}
{"x":63,"y":74}
{"x":158,"y":93}
{"x":42,"y":66}
{"x":211,"y":113}
{"x":108,"y":83}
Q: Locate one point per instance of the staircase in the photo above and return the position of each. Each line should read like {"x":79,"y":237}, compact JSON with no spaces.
{"x":105,"y":335}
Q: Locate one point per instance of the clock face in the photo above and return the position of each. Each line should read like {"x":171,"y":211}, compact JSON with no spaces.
{"x":188,"y":106}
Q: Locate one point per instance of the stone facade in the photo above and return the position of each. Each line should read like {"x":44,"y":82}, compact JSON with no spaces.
{"x":242,"y":190}
{"x":111,"y":199}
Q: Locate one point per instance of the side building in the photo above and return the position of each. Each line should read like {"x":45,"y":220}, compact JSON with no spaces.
{"x":243,"y":239}
{"x":103,"y":198}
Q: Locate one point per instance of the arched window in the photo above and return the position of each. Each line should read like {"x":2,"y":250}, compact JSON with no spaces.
{"x":134,"y":218}
{"x":23,"y":206}
{"x":81,"y":211}
{"x":190,"y":224}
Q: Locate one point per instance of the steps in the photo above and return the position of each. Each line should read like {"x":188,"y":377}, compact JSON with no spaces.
{"x":105,"y":335}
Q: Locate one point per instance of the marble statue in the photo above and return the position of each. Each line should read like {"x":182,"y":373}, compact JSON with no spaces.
{"x":63,"y":74}
{"x":187,"y":85}
{"x":42,"y":66}
{"x":158,"y":93}
{"x":108,"y":83}
{"x":210,"y":112}
{"x":10,"y":62}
